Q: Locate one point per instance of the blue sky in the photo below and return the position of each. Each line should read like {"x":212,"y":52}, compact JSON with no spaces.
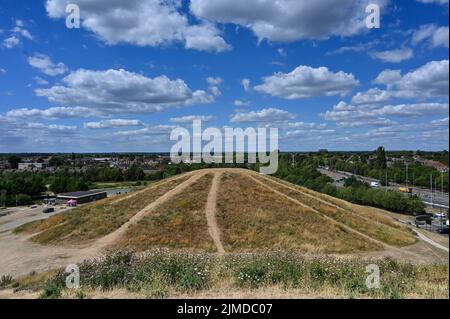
{"x":137,"y":69}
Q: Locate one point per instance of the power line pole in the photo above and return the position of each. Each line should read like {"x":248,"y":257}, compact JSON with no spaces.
{"x":431,"y":188}
{"x":407,"y":182}
{"x":435,"y":186}
{"x":386,"y":181}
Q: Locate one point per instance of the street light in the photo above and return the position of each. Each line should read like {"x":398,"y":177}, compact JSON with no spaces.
{"x":406,"y":175}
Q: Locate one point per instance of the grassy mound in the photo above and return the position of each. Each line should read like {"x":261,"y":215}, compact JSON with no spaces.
{"x":379,"y":229}
{"x":253,"y":217}
{"x":178,"y":223}
{"x":95,"y":220}
{"x":253,"y":214}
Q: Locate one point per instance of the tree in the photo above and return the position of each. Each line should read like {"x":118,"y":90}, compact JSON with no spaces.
{"x":3,"y":197}
{"x":14,"y":161}
{"x":134,"y":173}
{"x":56,"y":161}
{"x":381,"y":158}
{"x":23,"y":199}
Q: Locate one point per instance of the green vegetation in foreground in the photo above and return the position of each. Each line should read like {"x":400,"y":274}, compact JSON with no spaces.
{"x":161,"y":274}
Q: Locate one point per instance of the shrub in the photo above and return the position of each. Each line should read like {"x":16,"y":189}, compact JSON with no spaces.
{"x":159,"y":272}
{"x":51,"y":291}
{"x":113,"y":271}
{"x":254,"y":271}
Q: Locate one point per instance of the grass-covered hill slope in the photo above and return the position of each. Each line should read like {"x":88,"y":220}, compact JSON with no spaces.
{"x":224,"y":211}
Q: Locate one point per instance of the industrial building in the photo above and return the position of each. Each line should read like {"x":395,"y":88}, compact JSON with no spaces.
{"x":81,"y":197}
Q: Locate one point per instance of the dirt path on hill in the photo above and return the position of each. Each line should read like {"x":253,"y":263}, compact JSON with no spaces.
{"x":211,"y":210}
{"x":109,"y":239}
{"x":348,"y":228}
{"x":391,"y":251}
{"x":430,"y":241}
{"x":325,"y":202}
{"x":19,"y":255}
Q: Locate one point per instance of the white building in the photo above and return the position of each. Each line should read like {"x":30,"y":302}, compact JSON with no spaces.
{"x":30,"y":166}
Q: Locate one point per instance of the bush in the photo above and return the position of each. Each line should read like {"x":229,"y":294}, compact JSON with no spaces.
{"x":160,"y":272}
{"x":23,"y":199}
{"x":255,"y":271}
{"x":390,"y":200}
{"x":111,"y":272}
{"x":51,"y":291}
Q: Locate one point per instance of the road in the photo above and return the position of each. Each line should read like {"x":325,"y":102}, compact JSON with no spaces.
{"x":430,"y":241}
{"x":424,"y":194}
{"x":11,"y":218}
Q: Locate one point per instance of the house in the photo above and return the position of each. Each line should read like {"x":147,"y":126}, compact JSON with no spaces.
{"x":437,"y":165}
{"x":30,"y":166}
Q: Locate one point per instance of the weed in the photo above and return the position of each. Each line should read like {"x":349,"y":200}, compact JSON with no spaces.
{"x":158,"y":273}
{"x":51,"y":291}
{"x":5,"y":281}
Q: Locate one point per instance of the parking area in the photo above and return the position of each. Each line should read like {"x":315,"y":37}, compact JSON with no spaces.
{"x":13,"y":217}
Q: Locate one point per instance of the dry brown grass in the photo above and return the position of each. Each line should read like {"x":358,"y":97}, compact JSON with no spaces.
{"x":254,"y":218}
{"x":95,"y":220}
{"x":179,"y":223}
{"x":373,"y":213}
{"x":373,"y":227}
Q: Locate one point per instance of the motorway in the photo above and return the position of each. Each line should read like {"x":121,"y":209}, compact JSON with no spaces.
{"x":438,"y":198}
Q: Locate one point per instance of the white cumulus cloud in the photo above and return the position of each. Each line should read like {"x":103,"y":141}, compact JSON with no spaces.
{"x":289,"y":20}
{"x":122,"y":92}
{"x":393,"y":56}
{"x":267,"y":115}
{"x":43,"y":63}
{"x":428,"y":81}
{"x":306,"y":82}
{"x":112,"y":124}
{"x":142,"y":23}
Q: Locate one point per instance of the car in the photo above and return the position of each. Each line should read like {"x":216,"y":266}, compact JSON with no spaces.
{"x":48,"y":210}
{"x":444,"y":231}
{"x":34,"y":206}
{"x":440,"y":215}
{"x":406,"y":190}
{"x":375,"y":184}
